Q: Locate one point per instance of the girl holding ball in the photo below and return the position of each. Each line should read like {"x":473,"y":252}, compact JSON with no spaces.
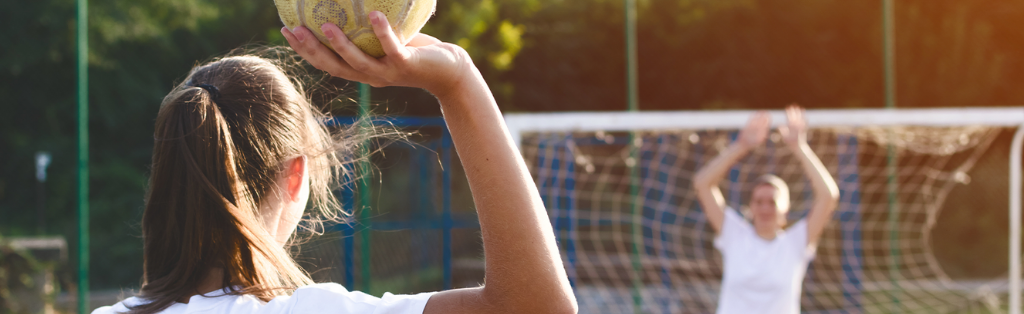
{"x":239,"y":152}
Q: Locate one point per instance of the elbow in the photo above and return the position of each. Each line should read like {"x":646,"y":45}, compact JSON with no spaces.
{"x":565,"y":306}
{"x":830,"y":201}
{"x":569,"y":306}
{"x":701,"y":181}
{"x":572,"y":307}
{"x":562,"y":301}
{"x":833,"y":193}
{"x":826,"y":192}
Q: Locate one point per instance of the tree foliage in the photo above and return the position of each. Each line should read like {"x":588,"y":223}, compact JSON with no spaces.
{"x":553,"y":55}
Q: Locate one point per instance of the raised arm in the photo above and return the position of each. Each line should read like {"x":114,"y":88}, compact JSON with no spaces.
{"x":826,"y":193}
{"x":524,"y":273}
{"x":706,"y":181}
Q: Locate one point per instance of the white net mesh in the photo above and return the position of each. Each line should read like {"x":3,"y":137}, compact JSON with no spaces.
{"x":634,"y":239}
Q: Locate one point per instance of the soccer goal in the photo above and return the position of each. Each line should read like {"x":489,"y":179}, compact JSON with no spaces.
{"x":633,"y":237}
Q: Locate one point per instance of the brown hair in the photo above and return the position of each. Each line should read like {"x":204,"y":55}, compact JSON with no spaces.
{"x":221,"y":139}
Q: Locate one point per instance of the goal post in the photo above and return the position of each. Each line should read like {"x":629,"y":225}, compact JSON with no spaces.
{"x":625,"y":121}
{"x":578,"y":159}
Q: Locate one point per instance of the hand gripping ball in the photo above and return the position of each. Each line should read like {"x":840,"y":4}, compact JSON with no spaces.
{"x":352,"y":16}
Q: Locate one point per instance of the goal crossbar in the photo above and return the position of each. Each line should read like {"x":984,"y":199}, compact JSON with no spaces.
{"x":521,"y":123}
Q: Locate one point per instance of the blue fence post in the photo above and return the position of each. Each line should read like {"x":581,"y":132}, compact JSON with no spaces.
{"x":849,"y":223}
{"x":735,"y":197}
{"x":446,"y":214}
{"x":446,"y":222}
{"x":420,"y":239}
{"x":348,"y":237}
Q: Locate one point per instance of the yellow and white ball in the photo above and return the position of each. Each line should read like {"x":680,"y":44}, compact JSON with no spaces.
{"x":407,"y":17}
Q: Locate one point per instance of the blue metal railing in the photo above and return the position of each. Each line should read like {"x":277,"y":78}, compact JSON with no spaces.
{"x":445,"y":222}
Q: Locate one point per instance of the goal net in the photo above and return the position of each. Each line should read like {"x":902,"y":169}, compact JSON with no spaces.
{"x":634,"y":239}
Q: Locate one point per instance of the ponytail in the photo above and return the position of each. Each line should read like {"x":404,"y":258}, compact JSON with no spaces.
{"x":220,"y":138}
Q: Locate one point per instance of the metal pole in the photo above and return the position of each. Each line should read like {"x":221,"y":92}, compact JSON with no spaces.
{"x":632,"y":84}
{"x":633,"y":104}
{"x":364,"y":188}
{"x":446,"y":209}
{"x":889,"y":45}
{"x":1015,"y":223}
{"x":82,"y":60}
{"x":889,"y":59}
{"x":348,"y":244}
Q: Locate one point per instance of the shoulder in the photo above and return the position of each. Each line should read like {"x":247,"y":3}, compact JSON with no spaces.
{"x":314,"y":298}
{"x":222,"y":302}
{"x":798,"y":229}
{"x":105,"y":310}
{"x":308,"y":299}
{"x":733,"y":222}
{"x":119,"y":307}
{"x":733,"y":228}
{"x":797,"y":238}
{"x":125,"y":306}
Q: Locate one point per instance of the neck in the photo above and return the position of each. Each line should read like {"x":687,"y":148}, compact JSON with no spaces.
{"x":213,"y":281}
{"x":766,"y":231}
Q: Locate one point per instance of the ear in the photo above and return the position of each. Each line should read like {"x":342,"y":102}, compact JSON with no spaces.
{"x":297,"y":173}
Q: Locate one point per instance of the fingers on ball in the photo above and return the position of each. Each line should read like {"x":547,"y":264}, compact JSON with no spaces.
{"x":345,"y":48}
{"x":357,"y":59}
{"x":382,"y":29}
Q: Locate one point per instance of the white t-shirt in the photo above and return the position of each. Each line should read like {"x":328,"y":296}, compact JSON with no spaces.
{"x":317,"y":298}
{"x":761,"y":276}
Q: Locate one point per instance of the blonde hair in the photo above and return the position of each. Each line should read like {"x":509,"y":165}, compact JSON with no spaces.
{"x":781,"y":199}
{"x":779,"y":185}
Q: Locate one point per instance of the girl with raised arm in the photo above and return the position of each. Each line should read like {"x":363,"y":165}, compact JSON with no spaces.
{"x":764,"y":264}
{"x":239,"y":152}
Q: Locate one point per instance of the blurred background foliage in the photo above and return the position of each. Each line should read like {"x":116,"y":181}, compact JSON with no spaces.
{"x":554,"y":55}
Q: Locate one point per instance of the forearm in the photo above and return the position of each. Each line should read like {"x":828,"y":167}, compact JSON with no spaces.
{"x":715,"y":171}
{"x":523,"y":269}
{"x":706,"y":184}
{"x":826,"y":193}
{"x":822,"y":184}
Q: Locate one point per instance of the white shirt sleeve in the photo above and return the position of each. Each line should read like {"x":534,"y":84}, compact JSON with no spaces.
{"x":316,"y":298}
{"x":733,"y":226}
{"x":797,"y":235}
{"x":334,"y":298}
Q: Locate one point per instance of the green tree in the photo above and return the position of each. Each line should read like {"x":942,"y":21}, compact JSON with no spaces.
{"x":137,"y":52}
{"x":554,"y":55}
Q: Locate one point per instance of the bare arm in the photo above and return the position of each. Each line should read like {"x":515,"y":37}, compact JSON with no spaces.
{"x":706,"y":181}
{"x":524,"y":273}
{"x":826,"y":193}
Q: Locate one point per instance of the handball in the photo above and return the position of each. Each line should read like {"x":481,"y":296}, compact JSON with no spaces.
{"x":352,"y":16}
